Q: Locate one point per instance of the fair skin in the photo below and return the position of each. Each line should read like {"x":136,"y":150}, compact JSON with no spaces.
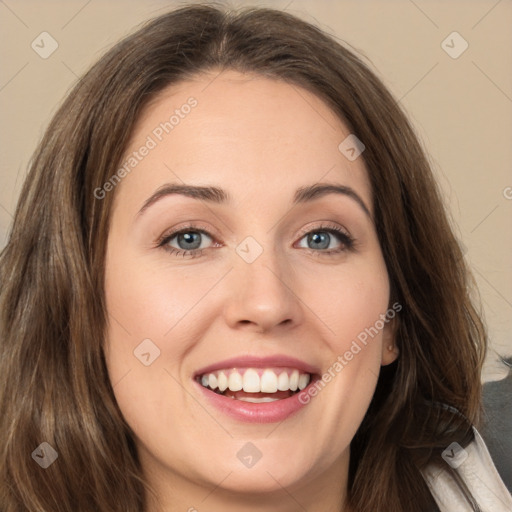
{"x":259,"y":140}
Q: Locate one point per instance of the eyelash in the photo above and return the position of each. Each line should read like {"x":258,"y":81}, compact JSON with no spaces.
{"x":348,"y":243}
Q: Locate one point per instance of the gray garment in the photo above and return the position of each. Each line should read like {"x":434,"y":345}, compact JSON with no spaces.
{"x":497,"y":429}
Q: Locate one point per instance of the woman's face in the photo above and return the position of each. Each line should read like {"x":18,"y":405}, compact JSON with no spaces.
{"x":268,"y":286}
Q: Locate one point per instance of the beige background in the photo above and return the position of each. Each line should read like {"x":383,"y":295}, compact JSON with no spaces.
{"x":462,"y":108}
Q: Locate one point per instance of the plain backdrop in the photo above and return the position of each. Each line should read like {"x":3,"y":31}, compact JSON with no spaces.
{"x":459,"y":99}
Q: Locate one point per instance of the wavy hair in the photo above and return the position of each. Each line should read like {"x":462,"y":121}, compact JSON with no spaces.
{"x":54,"y":385}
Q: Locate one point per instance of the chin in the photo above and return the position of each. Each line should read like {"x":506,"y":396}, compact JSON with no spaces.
{"x":259,"y":480}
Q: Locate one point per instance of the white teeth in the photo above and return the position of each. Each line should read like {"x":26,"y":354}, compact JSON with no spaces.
{"x":212,"y":380}
{"x":257,"y":400}
{"x":294,"y":380}
{"x":222,"y":381}
{"x":283,"y":382}
{"x":235,"y":382}
{"x":251,"y":382}
{"x":268,"y":382}
{"x":303,"y":381}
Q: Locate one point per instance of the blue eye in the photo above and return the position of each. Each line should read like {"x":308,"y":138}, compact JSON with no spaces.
{"x":320,"y":239}
{"x":189,"y":241}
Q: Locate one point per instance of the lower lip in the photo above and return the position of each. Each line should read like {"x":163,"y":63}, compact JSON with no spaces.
{"x":265,"y":412}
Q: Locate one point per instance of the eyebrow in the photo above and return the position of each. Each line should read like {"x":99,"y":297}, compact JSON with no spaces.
{"x":218,"y":195}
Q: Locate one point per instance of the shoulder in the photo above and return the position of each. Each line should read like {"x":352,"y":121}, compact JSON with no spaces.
{"x":475,"y":467}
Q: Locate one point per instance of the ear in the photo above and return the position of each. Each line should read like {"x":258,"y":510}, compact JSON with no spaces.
{"x":390,"y":350}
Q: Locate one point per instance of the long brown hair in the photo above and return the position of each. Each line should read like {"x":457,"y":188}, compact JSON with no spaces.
{"x":54,"y":383}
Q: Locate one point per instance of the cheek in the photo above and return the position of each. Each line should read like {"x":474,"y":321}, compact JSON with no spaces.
{"x":154,"y":320}
{"x":351,"y":304}
{"x":348,"y":299}
{"x":149,"y":300}
{"x":357,"y":314}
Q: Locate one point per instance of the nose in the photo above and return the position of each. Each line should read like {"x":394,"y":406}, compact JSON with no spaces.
{"x":261,"y":295}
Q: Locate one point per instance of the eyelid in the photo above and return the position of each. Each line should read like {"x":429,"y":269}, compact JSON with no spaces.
{"x":323,"y":225}
{"x":187,"y":226}
{"x":345,"y":239}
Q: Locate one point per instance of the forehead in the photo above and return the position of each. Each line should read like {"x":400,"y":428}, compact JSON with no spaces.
{"x":249,"y":134}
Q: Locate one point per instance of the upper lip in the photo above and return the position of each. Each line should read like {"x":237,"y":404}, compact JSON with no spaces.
{"x":277,"y":360}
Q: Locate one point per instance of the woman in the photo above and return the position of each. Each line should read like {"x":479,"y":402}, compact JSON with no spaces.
{"x":173,"y":338}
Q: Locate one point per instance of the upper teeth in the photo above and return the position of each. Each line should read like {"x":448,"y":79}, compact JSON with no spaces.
{"x":254,"y":380}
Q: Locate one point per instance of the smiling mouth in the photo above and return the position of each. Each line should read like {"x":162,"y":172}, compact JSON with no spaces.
{"x":256,"y":385}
